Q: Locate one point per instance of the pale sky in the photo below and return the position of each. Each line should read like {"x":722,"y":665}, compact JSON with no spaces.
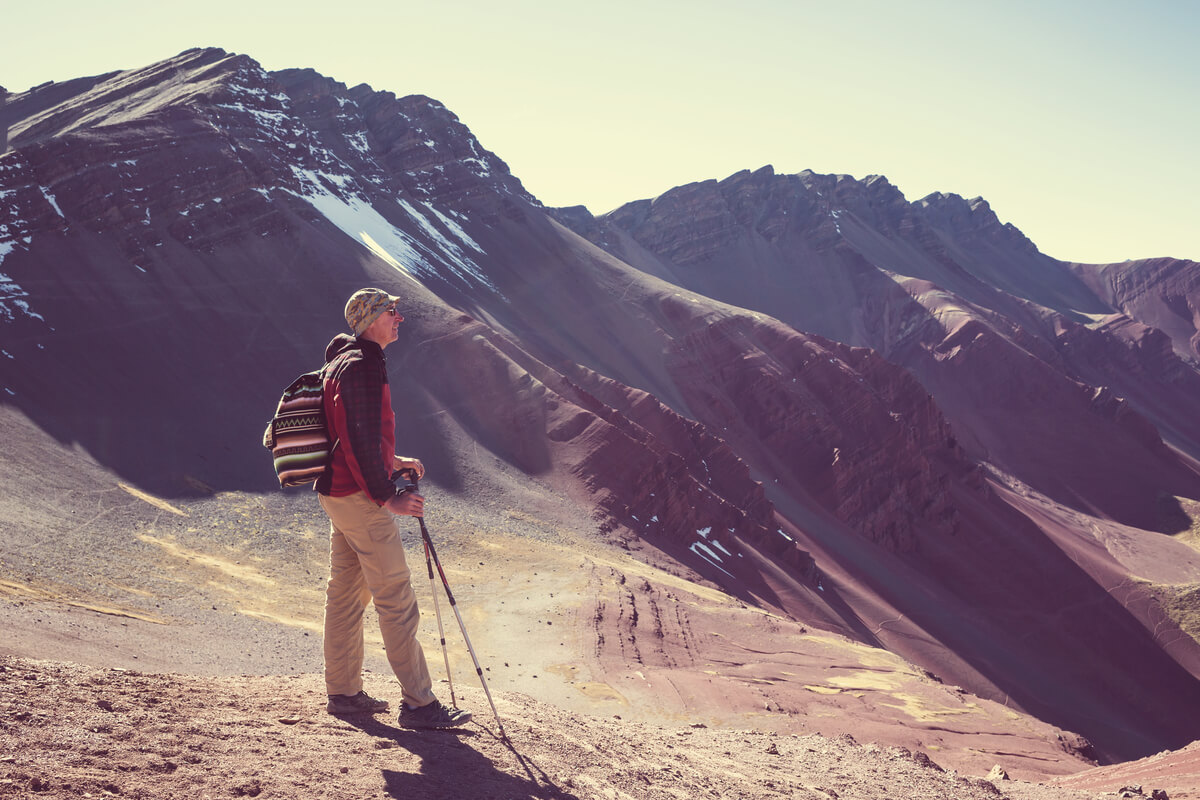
{"x":1077,"y":121}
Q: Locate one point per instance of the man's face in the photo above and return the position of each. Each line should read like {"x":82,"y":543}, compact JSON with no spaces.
{"x":384,"y":330}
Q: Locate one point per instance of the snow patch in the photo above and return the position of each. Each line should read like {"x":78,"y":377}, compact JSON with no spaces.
{"x":481,"y":167}
{"x":455,"y":228}
{"x":461,"y":262}
{"x":358,"y":219}
{"x":50,"y":199}
{"x":359,"y":142}
{"x":700,"y":549}
{"x":12,"y":296}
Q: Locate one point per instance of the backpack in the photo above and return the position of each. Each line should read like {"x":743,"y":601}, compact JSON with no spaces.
{"x":297,"y":435}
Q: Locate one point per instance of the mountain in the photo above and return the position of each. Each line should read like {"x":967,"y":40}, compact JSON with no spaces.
{"x":896,"y":422}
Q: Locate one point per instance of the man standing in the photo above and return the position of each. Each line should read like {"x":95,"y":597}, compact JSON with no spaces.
{"x":366,"y":555}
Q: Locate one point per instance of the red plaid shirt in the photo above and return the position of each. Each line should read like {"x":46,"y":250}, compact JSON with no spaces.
{"x":358,"y":406}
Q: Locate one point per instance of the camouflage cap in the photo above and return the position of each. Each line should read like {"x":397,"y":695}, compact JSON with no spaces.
{"x":365,"y":306}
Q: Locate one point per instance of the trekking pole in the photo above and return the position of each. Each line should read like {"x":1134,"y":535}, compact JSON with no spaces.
{"x":437,"y":610}
{"x":411,"y":477}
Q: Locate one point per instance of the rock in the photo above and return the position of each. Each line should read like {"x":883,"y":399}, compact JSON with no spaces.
{"x":983,"y":785}
{"x":923,"y":759}
{"x":1078,"y":745}
{"x":997,"y":774}
{"x":251,"y":788}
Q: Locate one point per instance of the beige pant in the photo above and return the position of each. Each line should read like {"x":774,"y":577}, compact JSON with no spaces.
{"x":366,"y":561}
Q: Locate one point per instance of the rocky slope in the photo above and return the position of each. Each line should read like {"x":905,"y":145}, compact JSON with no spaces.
{"x":1159,"y":292}
{"x":139,"y":735}
{"x":1027,"y":370}
{"x":893,"y":421}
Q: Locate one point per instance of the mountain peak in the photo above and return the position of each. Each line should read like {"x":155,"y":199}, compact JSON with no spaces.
{"x":877,"y":417}
{"x":123,"y":97}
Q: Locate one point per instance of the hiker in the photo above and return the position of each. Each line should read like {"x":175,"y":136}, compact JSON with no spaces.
{"x":366,"y":555}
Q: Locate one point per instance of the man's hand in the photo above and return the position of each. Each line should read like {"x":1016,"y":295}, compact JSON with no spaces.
{"x":409,"y":504}
{"x":403,"y":462}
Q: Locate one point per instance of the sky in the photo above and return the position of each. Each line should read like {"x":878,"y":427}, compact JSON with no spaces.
{"x":1077,"y":121}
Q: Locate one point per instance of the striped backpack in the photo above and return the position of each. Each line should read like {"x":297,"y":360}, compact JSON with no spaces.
{"x":297,"y":435}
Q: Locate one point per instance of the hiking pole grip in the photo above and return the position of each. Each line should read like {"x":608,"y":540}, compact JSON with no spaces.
{"x":411,"y":484}
{"x":410,"y":477}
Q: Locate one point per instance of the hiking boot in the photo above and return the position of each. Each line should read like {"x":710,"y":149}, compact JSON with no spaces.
{"x":361,"y":703}
{"x":434,"y":715}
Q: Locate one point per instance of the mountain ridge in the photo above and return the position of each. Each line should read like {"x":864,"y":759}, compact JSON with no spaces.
{"x":847,"y":408}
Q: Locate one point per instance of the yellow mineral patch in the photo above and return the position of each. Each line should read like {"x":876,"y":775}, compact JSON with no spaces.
{"x":568,"y":671}
{"x":152,"y":500}
{"x":864,"y":655}
{"x":23,"y":590}
{"x":116,"y":612}
{"x":601,"y":691}
{"x":882,"y":682}
{"x":34,"y":593}
{"x":919,"y":708}
{"x":232,"y":569}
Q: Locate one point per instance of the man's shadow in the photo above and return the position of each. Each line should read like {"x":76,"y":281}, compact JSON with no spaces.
{"x":452,"y":768}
